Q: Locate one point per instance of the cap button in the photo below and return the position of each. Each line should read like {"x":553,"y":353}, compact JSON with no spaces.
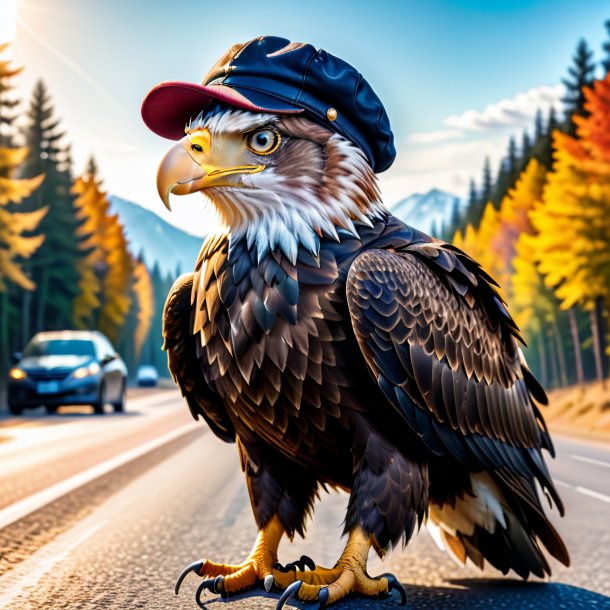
{"x":331,"y":114}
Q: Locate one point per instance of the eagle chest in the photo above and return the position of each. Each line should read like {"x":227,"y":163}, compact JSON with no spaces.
{"x":272,"y":340}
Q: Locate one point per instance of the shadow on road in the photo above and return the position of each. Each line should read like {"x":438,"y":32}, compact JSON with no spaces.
{"x":471,"y":593}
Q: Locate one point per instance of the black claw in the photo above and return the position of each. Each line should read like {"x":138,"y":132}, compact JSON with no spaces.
{"x":323,"y":597}
{"x":194,"y":567}
{"x":214,"y":585}
{"x":291,"y":591}
{"x":309,"y":562}
{"x":393,"y":583}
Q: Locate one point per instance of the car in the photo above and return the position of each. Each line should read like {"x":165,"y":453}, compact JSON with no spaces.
{"x":67,"y":368}
{"x":147,"y":376}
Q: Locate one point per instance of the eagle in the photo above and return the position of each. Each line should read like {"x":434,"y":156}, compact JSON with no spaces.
{"x":338,"y":347}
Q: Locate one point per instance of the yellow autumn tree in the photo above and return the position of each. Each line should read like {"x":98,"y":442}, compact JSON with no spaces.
{"x":573,"y":219}
{"x":91,"y":205}
{"x":105,"y":273}
{"x":143,"y":291}
{"x":13,"y":243}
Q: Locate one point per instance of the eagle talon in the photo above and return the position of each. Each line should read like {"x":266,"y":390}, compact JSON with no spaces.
{"x":323,"y":598}
{"x":269,"y":582}
{"x":193,"y":567}
{"x":290,"y":591}
{"x":393,"y":583}
{"x":299,"y":564}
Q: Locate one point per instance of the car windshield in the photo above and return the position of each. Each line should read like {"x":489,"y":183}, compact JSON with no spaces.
{"x":60,"y":347}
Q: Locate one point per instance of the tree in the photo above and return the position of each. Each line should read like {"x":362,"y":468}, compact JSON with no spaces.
{"x":17,"y":242}
{"x":580,"y":75}
{"x":606,"y":48}
{"x":538,"y":125}
{"x":144,"y":299}
{"x":573,"y":220}
{"x":55,"y":269}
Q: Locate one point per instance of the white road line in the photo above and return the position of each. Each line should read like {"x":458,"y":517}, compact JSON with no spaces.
{"x":24,"y":507}
{"x":582,"y":458}
{"x":593,"y":494}
{"x":45,"y":561}
{"x":583,"y":490}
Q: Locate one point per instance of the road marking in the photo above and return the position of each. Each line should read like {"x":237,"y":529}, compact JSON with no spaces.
{"x":24,"y":507}
{"x":583,"y":490}
{"x":45,"y":561}
{"x":582,"y":458}
{"x":593,"y":494}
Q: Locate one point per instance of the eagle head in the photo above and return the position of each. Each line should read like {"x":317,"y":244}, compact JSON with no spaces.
{"x":282,"y":180}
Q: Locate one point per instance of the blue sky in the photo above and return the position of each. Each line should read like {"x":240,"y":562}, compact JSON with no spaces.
{"x":449,"y":73}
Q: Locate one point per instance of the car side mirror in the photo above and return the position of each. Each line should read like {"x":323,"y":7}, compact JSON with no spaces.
{"x":16,"y":356}
{"x":106,"y":359}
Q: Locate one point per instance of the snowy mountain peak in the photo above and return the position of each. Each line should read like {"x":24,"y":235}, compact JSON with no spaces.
{"x":423,"y":210}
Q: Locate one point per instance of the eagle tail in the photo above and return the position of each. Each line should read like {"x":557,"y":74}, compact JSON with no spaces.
{"x":501,"y":521}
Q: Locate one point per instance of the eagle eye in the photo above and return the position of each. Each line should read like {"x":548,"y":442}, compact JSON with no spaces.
{"x":263,"y":141}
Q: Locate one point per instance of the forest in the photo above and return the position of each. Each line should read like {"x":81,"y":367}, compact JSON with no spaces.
{"x":540,"y":226}
{"x":65,"y":261}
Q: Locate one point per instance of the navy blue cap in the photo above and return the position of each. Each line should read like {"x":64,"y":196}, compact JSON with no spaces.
{"x":271,"y":74}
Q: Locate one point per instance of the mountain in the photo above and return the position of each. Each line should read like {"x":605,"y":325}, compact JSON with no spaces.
{"x":156,"y":239}
{"x":424,"y":210}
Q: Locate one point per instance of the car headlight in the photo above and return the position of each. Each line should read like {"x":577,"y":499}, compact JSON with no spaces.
{"x":86,"y":371}
{"x":16,"y":373}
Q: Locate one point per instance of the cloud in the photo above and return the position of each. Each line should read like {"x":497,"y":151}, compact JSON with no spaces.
{"x":518,"y":111}
{"x":433,"y":137}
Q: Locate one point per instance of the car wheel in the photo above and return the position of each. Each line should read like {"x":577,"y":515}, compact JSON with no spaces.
{"x":15,"y":409}
{"x":119,"y":405}
{"x":98,"y":407}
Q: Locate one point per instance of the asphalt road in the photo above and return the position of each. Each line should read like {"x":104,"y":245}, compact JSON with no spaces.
{"x":123,"y":530}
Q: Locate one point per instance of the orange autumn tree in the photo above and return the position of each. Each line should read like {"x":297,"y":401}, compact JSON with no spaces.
{"x":145,"y":302}
{"x":106,"y":273}
{"x":572,"y":247}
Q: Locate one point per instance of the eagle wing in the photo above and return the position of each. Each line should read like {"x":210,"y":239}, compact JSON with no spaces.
{"x":444,"y":350}
{"x":183,"y":360}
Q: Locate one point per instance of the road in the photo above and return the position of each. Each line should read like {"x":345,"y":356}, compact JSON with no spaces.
{"x":104,"y":512}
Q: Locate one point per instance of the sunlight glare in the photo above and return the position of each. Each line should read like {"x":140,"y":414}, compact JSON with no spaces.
{"x":8,"y":20}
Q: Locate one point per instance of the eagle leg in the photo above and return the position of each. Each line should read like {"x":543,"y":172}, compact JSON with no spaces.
{"x":327,"y":586}
{"x":227,"y":578}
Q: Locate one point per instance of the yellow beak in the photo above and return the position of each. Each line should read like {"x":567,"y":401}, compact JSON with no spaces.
{"x":179,"y":173}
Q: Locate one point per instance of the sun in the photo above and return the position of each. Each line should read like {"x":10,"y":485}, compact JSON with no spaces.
{"x":8,"y":20}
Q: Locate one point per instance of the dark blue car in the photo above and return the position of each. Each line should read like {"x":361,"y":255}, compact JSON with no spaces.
{"x":67,"y":368}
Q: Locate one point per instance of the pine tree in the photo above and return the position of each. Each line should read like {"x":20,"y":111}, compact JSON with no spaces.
{"x":55,"y":268}
{"x":538,"y":125}
{"x":487,"y":184}
{"x":606,"y":48}
{"x":581,"y":74}
{"x":526,"y":149}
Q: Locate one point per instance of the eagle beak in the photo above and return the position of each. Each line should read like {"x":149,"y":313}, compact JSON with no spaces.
{"x":179,"y":173}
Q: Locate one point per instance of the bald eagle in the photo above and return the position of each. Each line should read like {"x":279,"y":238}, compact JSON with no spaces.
{"x":338,"y":347}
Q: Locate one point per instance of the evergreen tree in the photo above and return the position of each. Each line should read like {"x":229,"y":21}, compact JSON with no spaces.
{"x":526,"y":149}
{"x":54,"y":270}
{"x":580,"y":74}
{"x":606,"y":48}
{"x":487,"y":188}
{"x":538,"y":125}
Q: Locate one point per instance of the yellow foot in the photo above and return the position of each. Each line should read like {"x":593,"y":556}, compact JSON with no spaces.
{"x":327,"y":586}
{"x":228,"y":578}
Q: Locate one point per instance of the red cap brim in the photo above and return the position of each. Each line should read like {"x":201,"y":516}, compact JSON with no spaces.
{"x":167,"y":108}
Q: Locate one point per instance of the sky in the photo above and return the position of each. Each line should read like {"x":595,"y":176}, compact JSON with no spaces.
{"x":457,"y":78}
